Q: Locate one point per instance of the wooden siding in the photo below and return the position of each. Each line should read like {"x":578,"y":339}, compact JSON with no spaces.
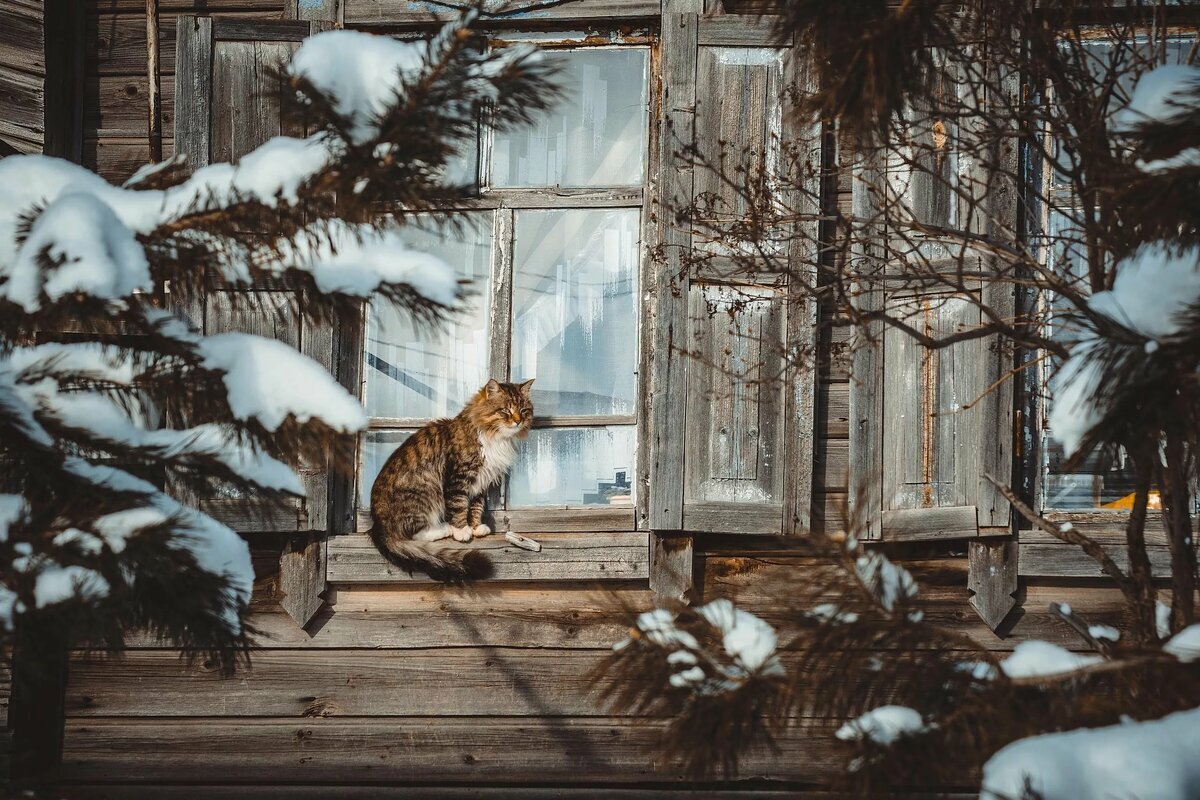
{"x":22,"y":77}
{"x":443,"y":689}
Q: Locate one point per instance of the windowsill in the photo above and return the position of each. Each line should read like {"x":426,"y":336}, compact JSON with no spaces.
{"x":353,"y":559}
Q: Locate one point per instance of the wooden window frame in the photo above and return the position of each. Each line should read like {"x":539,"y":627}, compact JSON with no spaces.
{"x":616,"y":550}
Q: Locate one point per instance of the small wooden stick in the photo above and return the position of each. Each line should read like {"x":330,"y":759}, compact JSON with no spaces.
{"x":1080,"y":626}
{"x":523,"y":542}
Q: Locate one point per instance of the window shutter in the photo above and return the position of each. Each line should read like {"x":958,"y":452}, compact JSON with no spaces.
{"x":228,"y":104}
{"x":732,"y":443}
{"x":927,"y":425}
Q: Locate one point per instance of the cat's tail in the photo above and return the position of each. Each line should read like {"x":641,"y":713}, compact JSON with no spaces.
{"x":439,"y":560}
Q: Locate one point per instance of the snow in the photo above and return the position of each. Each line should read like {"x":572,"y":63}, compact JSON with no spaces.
{"x":1184,"y":158}
{"x":1038,"y":659}
{"x":13,"y":509}
{"x":364,"y":73}
{"x":1185,"y":645}
{"x":750,"y":641}
{"x":1107,"y":632}
{"x":117,"y":528}
{"x":272,"y":171}
{"x":268,"y":381}
{"x":1158,"y":759}
{"x":1153,"y":289}
{"x":659,"y":626}
{"x":828,"y":612}
{"x":56,"y":584}
{"x":90,"y":249}
{"x":1162,"y":619}
{"x":883,"y":725}
{"x":979,"y":670}
{"x":356,"y":261}
{"x":1164,"y":94}
{"x":885,"y":580}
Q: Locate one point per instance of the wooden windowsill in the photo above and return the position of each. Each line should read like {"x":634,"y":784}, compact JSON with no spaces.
{"x":353,"y":559}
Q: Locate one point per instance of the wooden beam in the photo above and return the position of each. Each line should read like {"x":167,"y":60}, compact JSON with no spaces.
{"x":926,"y":524}
{"x":425,"y":12}
{"x":992,"y":579}
{"x":564,"y":557}
{"x":64,"y":97}
{"x":302,"y":577}
{"x":671,"y":569}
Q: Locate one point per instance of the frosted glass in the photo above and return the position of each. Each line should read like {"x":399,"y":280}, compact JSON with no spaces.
{"x":574,"y":316}
{"x":574,"y":467}
{"x":595,"y":136}
{"x":427,"y":370}
{"x":377,"y":447}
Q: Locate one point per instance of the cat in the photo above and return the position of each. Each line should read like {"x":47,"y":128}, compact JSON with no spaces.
{"x":433,"y":486}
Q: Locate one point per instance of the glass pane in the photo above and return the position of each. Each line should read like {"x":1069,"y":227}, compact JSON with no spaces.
{"x":377,"y":447}
{"x":595,"y":136}
{"x":574,"y":318}
{"x":574,"y":467}
{"x":430,"y":371}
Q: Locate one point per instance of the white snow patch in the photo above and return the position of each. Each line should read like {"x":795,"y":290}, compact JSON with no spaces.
{"x":1162,"y":619}
{"x":828,"y":612}
{"x":750,"y":641}
{"x":1163,"y":94}
{"x":365,"y":73}
{"x":1037,"y":659}
{"x":1107,"y":632}
{"x":268,"y":381}
{"x":887,"y":581}
{"x":56,"y":584}
{"x":91,"y":251}
{"x":883,"y":725}
{"x":1185,"y":645}
{"x":13,"y":509}
{"x":118,"y":527}
{"x":1158,"y":759}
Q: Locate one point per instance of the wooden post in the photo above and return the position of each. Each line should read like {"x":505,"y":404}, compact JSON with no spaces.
{"x":37,"y":705}
{"x":155,"y":94}
{"x":65,"y":35}
{"x":671,"y":568}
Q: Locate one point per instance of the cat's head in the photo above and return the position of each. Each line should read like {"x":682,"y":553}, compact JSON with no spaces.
{"x":503,"y":409}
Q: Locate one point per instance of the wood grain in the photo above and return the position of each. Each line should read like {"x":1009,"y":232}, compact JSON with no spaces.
{"x":564,"y":557}
{"x":407,"y":12}
{"x":482,"y":750}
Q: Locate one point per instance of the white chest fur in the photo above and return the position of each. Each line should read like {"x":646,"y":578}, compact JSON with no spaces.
{"x":499,"y":452}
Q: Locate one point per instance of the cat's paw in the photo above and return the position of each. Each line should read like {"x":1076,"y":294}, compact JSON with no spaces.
{"x":481,"y":530}
{"x":460,"y":534}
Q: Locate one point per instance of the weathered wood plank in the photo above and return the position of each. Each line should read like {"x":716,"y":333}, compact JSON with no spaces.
{"x":415,"y":616}
{"x":302,"y":578}
{"x":115,"y":106}
{"x":920,"y":524}
{"x":485,"y":750}
{"x":409,"y":792}
{"x":538,"y":520}
{"x":671,"y":568}
{"x":728,"y":30}
{"x":833,"y":409}
{"x":992,"y":578}
{"x":22,"y":39}
{"x":407,"y":12}
{"x":272,"y":8}
{"x":668,"y":376}
{"x":1067,"y":561}
{"x":564,"y":557}
{"x":751,"y":518}
{"x":442,"y":682}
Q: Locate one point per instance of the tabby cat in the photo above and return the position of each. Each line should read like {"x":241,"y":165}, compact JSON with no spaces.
{"x":433,"y":486}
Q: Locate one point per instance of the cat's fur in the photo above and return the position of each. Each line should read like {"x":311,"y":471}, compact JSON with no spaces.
{"x":434,"y":485}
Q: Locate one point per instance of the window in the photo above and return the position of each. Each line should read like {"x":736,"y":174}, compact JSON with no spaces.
{"x":1101,"y":481}
{"x":553,"y":249}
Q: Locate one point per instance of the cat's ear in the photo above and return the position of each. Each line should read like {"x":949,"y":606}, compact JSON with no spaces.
{"x":492,"y":387}
{"x":526,"y":386}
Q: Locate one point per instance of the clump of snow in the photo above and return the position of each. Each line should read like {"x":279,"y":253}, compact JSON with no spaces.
{"x":1185,"y":645}
{"x":118,"y":527}
{"x":356,"y":261}
{"x":888,"y":582}
{"x":1163,"y":94}
{"x":56,"y":584}
{"x":365,"y":73}
{"x":1158,"y":759}
{"x":750,"y":641}
{"x":659,"y":626}
{"x":90,"y":249}
{"x":1037,"y":659}
{"x":1152,"y":290}
{"x":883,"y":725}
{"x":261,"y":378}
{"x":13,"y":509}
{"x":1162,"y":619}
{"x":979,"y":670}
{"x":1107,"y":632}
{"x":1184,"y":158}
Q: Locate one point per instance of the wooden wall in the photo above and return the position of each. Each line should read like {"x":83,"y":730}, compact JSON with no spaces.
{"x":22,"y":77}
{"x":426,"y":689}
